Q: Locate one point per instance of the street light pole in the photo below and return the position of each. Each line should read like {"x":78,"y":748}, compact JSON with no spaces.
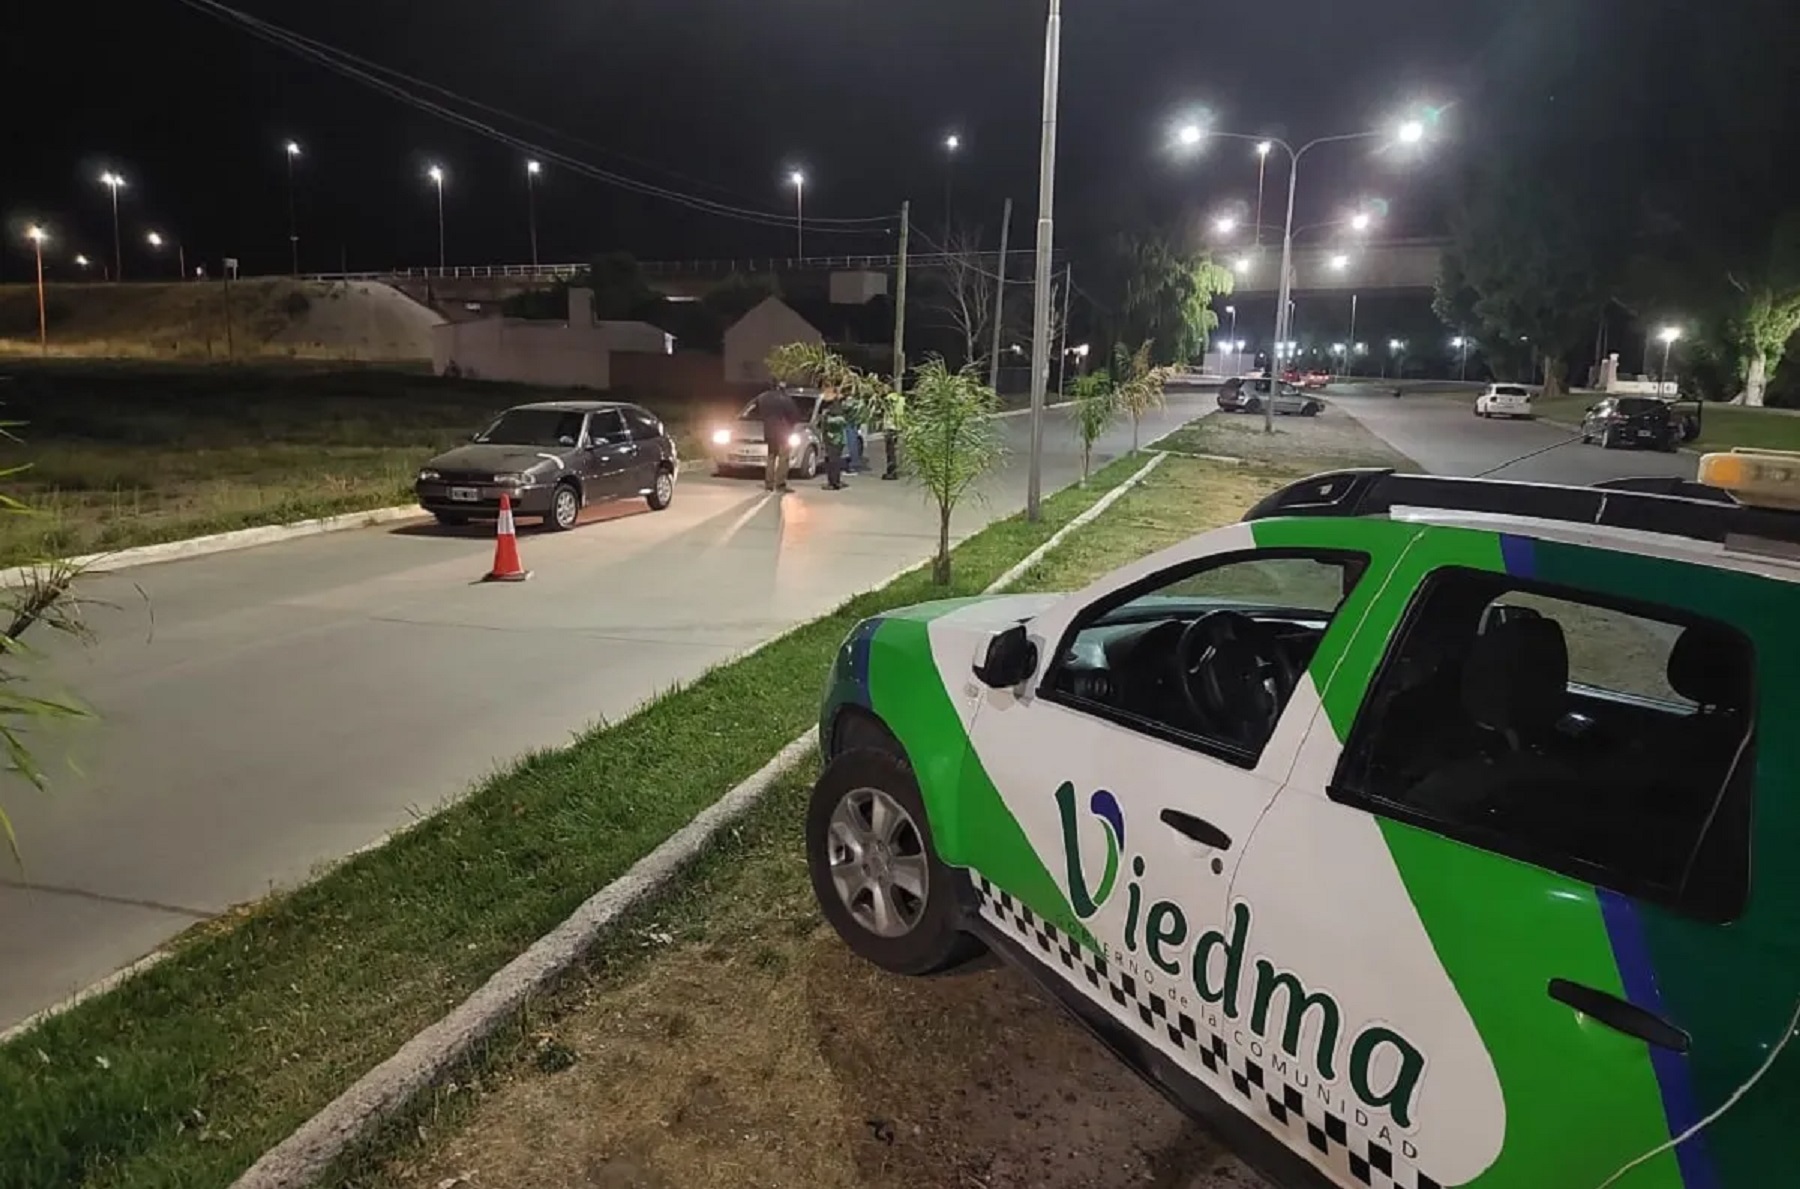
{"x":1350,"y":346}
{"x":1262,"y":169}
{"x":436,"y":174}
{"x":799,"y":180}
{"x":293,"y":150}
{"x":113,"y":181}
{"x":532,"y":169}
{"x":36,"y":236}
{"x":1232,"y":310}
{"x":1668,"y":335}
{"x":1040,"y":322}
{"x":952,"y":143}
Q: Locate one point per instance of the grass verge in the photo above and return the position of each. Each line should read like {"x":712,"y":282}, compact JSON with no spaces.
{"x":1306,"y":444}
{"x":725,"y":1039}
{"x":185,"y":1074}
{"x":125,"y":454}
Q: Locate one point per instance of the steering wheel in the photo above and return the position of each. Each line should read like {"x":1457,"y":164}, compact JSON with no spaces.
{"x":1235,"y":676}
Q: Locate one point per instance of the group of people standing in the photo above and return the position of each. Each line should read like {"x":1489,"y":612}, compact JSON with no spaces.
{"x":840,"y":438}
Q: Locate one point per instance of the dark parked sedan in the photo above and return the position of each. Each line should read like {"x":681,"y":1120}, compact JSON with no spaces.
{"x":1632,"y":421}
{"x":553,"y":459}
{"x":1246,"y":394}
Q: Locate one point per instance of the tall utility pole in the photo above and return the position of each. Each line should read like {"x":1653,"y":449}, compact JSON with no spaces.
{"x":1350,"y":347}
{"x":952,"y":144}
{"x":532,"y":169}
{"x":891,"y":427}
{"x":1040,"y":322}
{"x":1000,"y":297}
{"x":293,"y":150}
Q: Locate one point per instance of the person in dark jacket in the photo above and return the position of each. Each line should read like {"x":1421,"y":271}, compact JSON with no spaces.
{"x":833,"y":426}
{"x":779,"y":415}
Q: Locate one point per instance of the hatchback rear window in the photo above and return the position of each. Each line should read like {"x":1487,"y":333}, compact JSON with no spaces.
{"x":1509,"y":390}
{"x":1637,"y":406}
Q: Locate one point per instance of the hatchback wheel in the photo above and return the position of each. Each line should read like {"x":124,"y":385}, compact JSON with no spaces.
{"x":809,"y":464}
{"x":565,"y":509}
{"x":662,"y":492}
{"x":874,"y":872}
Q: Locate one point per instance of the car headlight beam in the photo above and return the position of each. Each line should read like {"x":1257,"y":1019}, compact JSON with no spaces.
{"x":429,"y":476}
{"x":721,"y":437}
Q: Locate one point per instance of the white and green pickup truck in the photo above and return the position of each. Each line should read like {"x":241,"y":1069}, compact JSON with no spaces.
{"x":1414,"y":831}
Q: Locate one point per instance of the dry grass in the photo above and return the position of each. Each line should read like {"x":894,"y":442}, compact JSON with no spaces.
{"x":753,"y":1050}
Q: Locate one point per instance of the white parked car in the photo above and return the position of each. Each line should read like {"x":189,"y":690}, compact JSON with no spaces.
{"x":1504,"y":400}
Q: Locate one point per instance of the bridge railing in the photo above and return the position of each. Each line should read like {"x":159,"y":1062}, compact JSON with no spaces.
{"x":673,"y":268}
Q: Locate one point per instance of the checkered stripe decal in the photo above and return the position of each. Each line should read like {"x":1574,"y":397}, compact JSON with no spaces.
{"x":1308,"y":1124}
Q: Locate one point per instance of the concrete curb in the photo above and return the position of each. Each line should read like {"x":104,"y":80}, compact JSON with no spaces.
{"x":301,"y":1158}
{"x":243,"y":538}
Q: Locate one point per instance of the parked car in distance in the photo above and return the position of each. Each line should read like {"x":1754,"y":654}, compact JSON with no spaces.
{"x":1640,"y":421}
{"x":1246,"y":394}
{"x":739,"y":447}
{"x":1505,"y":400}
{"x":551,"y":460}
{"x":1315,"y":379}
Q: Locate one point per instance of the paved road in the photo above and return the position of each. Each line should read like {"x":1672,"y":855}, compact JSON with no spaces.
{"x":269,"y":710}
{"x":1442,"y":435}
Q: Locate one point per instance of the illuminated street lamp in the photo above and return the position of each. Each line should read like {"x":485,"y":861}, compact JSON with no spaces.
{"x":1410,"y":132}
{"x":82,"y":261}
{"x":798,"y":181}
{"x":1225,"y":224}
{"x":293,"y":151}
{"x":1667,"y":336}
{"x":1340,"y":262}
{"x":436,"y":174}
{"x":155,"y":240}
{"x":114,"y":182}
{"x":1232,"y":310}
{"x":532,"y":169}
{"x":37,"y":236}
{"x":1462,"y":343}
{"x":1242,"y":265}
{"x":1361,"y":221}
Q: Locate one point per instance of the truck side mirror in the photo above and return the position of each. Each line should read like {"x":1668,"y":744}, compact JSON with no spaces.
{"x":1011,"y":658}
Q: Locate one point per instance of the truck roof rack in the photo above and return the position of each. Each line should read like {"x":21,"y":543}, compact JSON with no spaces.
{"x":1372,"y":492}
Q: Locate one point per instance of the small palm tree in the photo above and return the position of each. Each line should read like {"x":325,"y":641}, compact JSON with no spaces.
{"x":949,"y":439}
{"x":1140,"y":385}
{"x":1096,"y":408}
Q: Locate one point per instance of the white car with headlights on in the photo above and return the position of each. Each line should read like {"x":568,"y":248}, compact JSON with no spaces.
{"x":739,"y":448}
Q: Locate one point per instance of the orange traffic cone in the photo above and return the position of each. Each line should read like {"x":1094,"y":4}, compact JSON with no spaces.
{"x":507,"y":567}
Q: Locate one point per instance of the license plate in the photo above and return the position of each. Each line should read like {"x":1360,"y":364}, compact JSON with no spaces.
{"x":1646,"y":433}
{"x":466,"y":495}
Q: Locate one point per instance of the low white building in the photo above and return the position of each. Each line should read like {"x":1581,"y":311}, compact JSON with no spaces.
{"x":573,"y":354}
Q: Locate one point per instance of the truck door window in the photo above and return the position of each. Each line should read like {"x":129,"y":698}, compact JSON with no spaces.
{"x":1206,"y":655}
{"x":1607,"y":743}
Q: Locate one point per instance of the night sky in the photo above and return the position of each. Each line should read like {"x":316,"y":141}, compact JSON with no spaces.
{"x":715,"y":97}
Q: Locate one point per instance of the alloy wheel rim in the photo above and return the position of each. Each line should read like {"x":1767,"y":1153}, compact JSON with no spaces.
{"x":566,"y":507}
{"x":876,"y":853}
{"x":665,"y":489}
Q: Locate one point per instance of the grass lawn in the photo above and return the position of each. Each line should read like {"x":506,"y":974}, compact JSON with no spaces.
{"x":129,"y":454}
{"x":187,"y":1073}
{"x":726,"y":1038}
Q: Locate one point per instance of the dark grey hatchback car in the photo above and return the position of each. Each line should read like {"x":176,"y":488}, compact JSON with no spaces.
{"x":553,"y":459}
